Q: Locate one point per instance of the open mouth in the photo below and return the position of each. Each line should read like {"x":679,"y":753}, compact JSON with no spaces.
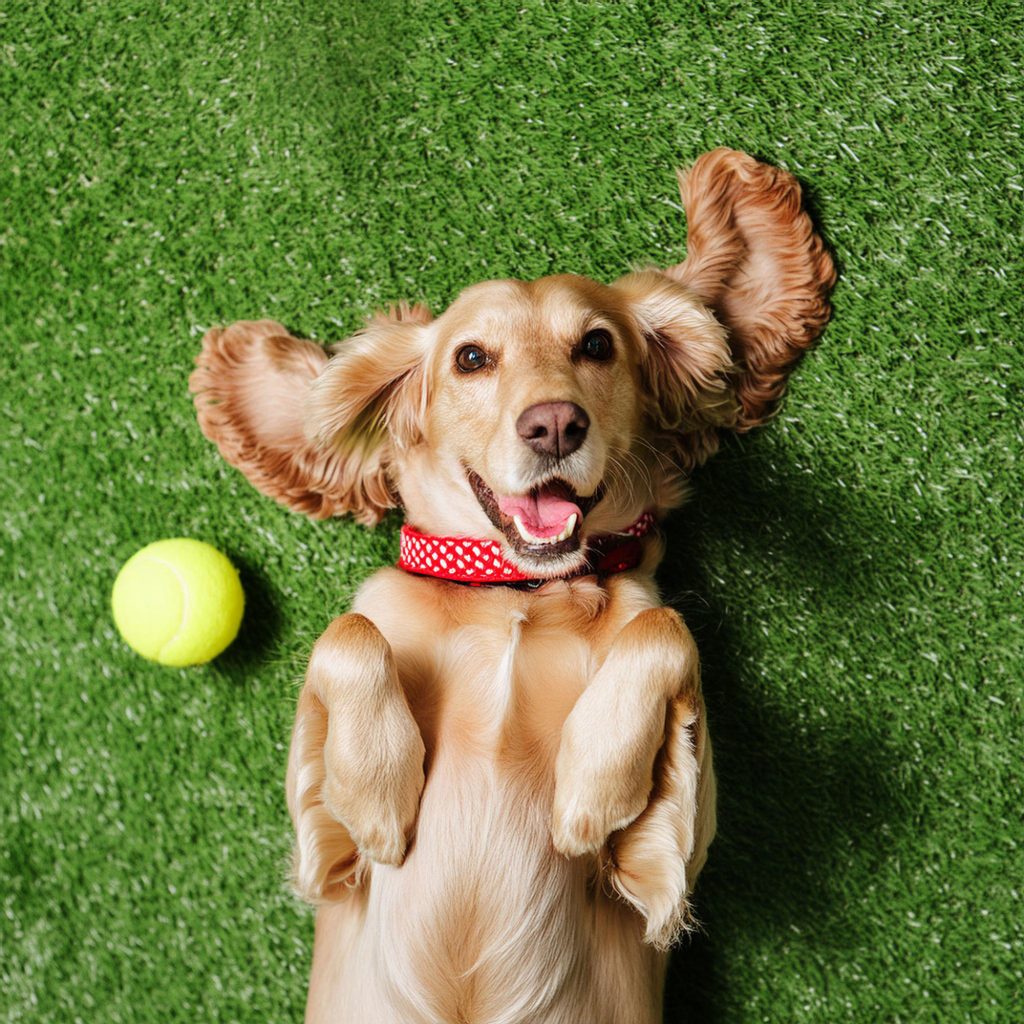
{"x":546,"y":521}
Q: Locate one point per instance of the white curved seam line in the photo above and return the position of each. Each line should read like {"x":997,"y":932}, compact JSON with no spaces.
{"x":184,"y":595}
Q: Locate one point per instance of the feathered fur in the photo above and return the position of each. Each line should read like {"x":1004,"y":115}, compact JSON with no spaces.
{"x":502,"y":798}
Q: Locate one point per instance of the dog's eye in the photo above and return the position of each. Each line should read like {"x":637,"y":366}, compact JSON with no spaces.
{"x":470,"y":358}
{"x":596,"y":345}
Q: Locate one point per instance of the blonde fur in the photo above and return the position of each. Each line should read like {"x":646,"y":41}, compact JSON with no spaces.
{"x":485,"y":921}
{"x":502,"y":798}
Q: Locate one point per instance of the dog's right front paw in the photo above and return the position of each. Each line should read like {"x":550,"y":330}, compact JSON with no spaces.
{"x":357,"y":752}
{"x":379,"y":835}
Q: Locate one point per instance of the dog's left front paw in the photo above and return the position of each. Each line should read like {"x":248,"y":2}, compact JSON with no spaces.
{"x":587,"y":812}
{"x":603,"y":779}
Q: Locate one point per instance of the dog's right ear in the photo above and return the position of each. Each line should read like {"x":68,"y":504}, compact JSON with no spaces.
{"x":310,"y":428}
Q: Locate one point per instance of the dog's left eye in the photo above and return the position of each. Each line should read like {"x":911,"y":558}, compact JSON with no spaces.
{"x":596,"y":345}
{"x":470,"y":358}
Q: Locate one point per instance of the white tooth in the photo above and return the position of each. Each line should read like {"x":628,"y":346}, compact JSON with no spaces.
{"x":566,"y":533}
{"x":523,"y":532}
{"x":569,"y":527}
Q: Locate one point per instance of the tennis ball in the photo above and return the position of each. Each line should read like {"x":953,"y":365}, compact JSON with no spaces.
{"x":178,"y":602}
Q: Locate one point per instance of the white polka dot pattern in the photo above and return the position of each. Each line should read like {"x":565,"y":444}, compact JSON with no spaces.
{"x":457,"y":558}
{"x":642,"y":526}
{"x":469,"y":560}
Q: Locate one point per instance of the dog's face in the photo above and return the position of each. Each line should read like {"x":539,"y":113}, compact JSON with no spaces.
{"x":532,"y":416}
{"x":538,"y":413}
{"x":530,"y":412}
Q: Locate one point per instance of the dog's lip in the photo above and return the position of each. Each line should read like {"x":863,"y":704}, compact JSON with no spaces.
{"x":489,"y":502}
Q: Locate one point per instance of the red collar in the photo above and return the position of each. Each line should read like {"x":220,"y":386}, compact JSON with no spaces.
{"x":479,"y":562}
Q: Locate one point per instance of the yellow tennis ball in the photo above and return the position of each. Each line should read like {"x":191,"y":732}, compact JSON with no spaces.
{"x":178,"y":602}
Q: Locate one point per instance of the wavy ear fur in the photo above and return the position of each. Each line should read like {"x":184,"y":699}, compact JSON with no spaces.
{"x":370,"y":399}
{"x":754,"y":258}
{"x":281,"y":410}
{"x":686,"y":364}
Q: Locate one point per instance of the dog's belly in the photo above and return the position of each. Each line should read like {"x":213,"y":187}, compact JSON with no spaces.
{"x":484,"y":921}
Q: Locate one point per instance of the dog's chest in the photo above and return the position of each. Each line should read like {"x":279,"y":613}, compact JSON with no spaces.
{"x":495,"y":670}
{"x":485,"y":668}
{"x":502,"y":684}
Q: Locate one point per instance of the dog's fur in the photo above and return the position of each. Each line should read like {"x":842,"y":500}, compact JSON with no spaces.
{"x":502,"y":797}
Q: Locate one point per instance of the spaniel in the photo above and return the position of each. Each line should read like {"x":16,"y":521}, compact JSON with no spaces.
{"x":500,"y":773}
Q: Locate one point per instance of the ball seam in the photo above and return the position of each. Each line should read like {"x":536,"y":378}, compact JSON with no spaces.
{"x":185,"y":601}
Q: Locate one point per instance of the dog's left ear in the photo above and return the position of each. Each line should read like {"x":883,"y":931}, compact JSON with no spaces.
{"x":755,"y":259}
{"x":722,"y":330}
{"x":685,"y":363}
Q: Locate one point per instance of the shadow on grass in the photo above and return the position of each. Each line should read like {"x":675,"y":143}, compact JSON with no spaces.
{"x":260,"y":624}
{"x":795,"y":804}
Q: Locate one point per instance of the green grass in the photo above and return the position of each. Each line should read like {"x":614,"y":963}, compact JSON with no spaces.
{"x":853,"y":573}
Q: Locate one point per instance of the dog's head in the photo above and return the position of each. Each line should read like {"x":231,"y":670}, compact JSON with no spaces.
{"x":538,"y":413}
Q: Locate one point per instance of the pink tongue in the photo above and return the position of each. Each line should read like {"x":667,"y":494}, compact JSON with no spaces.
{"x":544,"y":514}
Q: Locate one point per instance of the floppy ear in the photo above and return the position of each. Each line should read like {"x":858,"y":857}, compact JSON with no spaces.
{"x":754,"y":258}
{"x":371,"y":399}
{"x":259,"y":392}
{"x":686,"y":364}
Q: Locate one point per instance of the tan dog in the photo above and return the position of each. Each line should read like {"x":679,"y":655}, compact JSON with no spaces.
{"x":503,"y":794}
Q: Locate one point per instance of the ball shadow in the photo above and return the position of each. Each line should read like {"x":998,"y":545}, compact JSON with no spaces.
{"x":261,"y":622}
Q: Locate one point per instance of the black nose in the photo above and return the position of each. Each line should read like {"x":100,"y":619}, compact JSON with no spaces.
{"x":553,"y":428}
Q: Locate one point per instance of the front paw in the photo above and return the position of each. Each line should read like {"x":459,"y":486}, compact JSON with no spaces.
{"x":603,"y":777}
{"x":375,"y":798}
{"x":588,"y":810}
{"x":381,"y":824}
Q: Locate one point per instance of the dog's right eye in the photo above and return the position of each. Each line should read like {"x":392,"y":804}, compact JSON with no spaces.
{"x":470,"y":358}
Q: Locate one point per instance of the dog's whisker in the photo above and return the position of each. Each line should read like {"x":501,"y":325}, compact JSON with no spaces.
{"x":661,"y":455}
{"x":642,"y":466}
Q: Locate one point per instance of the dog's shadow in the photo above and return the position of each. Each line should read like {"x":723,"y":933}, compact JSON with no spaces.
{"x":792,"y":799}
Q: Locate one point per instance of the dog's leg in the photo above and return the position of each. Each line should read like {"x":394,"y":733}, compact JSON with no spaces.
{"x":604,"y":772}
{"x":655,"y":860}
{"x":356,"y":758}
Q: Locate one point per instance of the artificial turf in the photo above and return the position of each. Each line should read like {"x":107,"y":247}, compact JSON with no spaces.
{"x":853,"y":572}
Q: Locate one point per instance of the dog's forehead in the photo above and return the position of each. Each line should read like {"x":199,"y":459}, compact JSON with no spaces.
{"x":559,"y":304}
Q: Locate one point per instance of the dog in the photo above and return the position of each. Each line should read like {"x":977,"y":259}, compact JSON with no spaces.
{"x":500,"y":774}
